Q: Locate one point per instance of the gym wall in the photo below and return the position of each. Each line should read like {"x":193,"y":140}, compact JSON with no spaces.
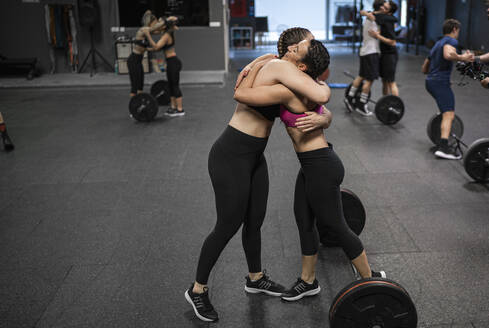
{"x":472,"y":15}
{"x":24,"y":35}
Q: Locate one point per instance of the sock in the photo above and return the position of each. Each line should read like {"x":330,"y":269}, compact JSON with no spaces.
{"x":364,"y":97}
{"x":352,"y":91}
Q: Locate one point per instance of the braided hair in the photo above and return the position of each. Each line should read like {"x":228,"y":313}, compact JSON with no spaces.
{"x":289,"y":37}
{"x":316,"y":59}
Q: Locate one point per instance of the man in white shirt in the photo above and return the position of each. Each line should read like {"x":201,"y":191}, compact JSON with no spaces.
{"x":369,"y":67}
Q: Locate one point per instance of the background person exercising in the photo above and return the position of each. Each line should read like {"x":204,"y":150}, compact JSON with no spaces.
{"x":439,"y":66}
{"x":369,"y":67}
{"x":388,"y":50}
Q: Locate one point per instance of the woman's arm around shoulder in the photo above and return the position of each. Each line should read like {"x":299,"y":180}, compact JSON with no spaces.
{"x":297,"y":81}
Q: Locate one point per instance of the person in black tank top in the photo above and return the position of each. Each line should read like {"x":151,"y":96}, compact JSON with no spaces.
{"x":173,"y":66}
{"x":141,"y":44}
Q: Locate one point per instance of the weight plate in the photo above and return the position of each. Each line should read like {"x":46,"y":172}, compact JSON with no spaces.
{"x":354,"y":214}
{"x":373,"y":303}
{"x":389,"y":109}
{"x":143,"y":107}
{"x":161,"y":92}
{"x":434,"y":130}
{"x":476,"y":160}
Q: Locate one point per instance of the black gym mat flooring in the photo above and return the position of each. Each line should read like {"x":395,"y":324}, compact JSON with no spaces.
{"x":102,"y":218}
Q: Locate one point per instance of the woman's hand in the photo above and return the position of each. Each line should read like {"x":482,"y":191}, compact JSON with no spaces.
{"x":485,"y":83}
{"x":244,"y":72}
{"x":374,"y":34}
{"x":314,"y":121}
{"x":251,"y":71}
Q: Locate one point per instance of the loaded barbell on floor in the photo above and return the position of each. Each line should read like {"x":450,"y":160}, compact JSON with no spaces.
{"x":144,"y":106}
{"x":476,"y":158}
{"x":373,"y":303}
{"x":369,"y":302}
{"x":389,"y":109}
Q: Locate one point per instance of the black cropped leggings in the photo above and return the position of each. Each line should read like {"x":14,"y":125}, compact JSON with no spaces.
{"x":136,"y":72}
{"x":173,"y":68}
{"x":239,"y":176}
{"x":318,"y":197}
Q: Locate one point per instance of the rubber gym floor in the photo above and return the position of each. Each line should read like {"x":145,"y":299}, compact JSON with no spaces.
{"x":102,"y":218}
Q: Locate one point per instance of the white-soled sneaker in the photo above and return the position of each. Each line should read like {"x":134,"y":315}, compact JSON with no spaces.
{"x":362,"y":109}
{"x":301,"y":289}
{"x":264,"y":285}
{"x":447,"y":153}
{"x":201,"y":304}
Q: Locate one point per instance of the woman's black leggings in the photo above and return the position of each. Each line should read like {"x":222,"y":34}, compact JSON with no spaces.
{"x":136,"y":72}
{"x":173,"y":68}
{"x":239,"y":176}
{"x":318,"y":197}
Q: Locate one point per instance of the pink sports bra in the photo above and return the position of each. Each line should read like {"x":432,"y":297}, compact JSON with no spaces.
{"x":289,"y":118}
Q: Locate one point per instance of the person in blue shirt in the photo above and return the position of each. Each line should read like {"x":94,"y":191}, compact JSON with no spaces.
{"x":439,"y":66}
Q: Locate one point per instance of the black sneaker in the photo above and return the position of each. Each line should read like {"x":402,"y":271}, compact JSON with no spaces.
{"x":170,"y":111}
{"x":301,"y":289}
{"x":201,"y":304}
{"x":349,"y":103}
{"x":447,"y":153}
{"x":375,"y":274}
{"x":264,"y":285}
{"x":173,"y":112}
{"x":362,"y":109}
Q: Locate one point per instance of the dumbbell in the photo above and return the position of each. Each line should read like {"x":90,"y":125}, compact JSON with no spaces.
{"x":144,"y":106}
{"x":476,"y":159}
{"x":388,"y":109}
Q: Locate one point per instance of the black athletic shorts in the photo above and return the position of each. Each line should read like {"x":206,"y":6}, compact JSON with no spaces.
{"x":369,"y":67}
{"x":388,"y":64}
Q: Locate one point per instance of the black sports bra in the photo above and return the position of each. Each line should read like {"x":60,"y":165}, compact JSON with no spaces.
{"x":142,"y":43}
{"x":269,"y":112}
{"x":170,"y":45}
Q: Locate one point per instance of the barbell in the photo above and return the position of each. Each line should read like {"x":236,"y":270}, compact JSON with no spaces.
{"x":144,"y":106}
{"x":476,"y":158}
{"x":389,"y":109}
{"x":373,"y":303}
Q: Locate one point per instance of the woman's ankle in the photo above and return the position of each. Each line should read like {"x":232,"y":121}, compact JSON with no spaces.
{"x":309,"y":278}
{"x":198,"y":288}
{"x":254,"y":276}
